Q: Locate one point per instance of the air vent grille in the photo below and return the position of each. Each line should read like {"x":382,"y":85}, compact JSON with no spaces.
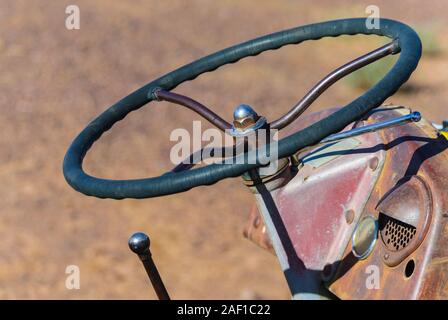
{"x":395,"y":234}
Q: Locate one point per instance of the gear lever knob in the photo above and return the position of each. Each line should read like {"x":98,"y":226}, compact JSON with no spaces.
{"x":139,"y":244}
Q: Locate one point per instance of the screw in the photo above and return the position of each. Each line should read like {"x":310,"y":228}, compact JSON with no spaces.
{"x":349,"y":216}
{"x":373,"y":163}
{"x":257,"y":222}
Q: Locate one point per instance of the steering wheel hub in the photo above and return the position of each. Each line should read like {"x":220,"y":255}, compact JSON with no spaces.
{"x":246,"y":121}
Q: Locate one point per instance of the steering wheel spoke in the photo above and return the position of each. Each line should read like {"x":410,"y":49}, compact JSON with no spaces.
{"x":199,"y":108}
{"x":329,"y":80}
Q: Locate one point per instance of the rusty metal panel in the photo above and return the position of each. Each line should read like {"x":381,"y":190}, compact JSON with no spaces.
{"x":412,"y":151}
{"x":323,"y":202}
{"x":319,"y":206}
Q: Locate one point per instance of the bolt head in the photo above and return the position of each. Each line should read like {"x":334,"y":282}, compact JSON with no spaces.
{"x":244,"y":116}
{"x":349,"y":216}
{"x":139,"y":243}
{"x":416,"y":116}
{"x":373,"y":163}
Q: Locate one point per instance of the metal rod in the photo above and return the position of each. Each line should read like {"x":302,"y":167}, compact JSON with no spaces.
{"x":139,"y":244}
{"x":411,"y":117}
{"x":329,"y":80}
{"x":195,"y":106}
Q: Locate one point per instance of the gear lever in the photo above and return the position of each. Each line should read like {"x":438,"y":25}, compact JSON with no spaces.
{"x":139,"y":244}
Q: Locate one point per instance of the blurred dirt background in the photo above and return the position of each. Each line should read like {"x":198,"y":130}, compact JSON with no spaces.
{"x":54,"y":81}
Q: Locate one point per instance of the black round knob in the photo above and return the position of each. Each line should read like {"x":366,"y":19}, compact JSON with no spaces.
{"x":139,"y":243}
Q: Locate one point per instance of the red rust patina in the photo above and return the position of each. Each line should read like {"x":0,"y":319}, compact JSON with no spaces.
{"x":336,"y":187}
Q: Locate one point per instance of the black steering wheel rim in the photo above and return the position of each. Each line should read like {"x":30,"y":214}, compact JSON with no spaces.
{"x":407,"y":41}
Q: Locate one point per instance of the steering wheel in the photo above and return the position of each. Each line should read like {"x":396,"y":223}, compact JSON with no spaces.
{"x":405,"y":40}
